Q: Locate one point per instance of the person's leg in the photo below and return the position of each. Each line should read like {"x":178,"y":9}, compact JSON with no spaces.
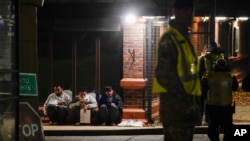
{"x":178,"y":132}
{"x":104,"y":113}
{"x":114,"y":114}
{"x":226,"y":122}
{"x":95,"y":116}
{"x":213,"y":124}
{"x":74,"y":115}
{"x":51,"y":113}
{"x":62,"y":113}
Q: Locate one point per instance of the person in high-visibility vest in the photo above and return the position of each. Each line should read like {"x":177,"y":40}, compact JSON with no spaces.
{"x":176,"y":76}
{"x":206,"y":65}
{"x":208,"y":60}
{"x":219,"y":106}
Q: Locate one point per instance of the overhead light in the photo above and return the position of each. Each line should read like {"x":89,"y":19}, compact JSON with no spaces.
{"x":130,"y":18}
{"x":172,"y":17}
{"x":220,"y":18}
{"x":243,"y":18}
{"x":204,"y":19}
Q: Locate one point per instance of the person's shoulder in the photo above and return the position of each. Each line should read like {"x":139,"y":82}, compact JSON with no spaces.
{"x":67,"y":91}
{"x":117,"y":95}
{"x":66,"y":94}
{"x":51,"y":94}
{"x":166,"y":36}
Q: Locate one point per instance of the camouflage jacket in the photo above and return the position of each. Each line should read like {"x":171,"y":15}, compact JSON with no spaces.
{"x":176,"y":106}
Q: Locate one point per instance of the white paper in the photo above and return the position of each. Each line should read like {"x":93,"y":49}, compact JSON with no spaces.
{"x":85,"y":116}
{"x":53,"y":101}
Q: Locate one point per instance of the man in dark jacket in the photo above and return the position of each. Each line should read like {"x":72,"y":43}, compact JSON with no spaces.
{"x":111,"y":106}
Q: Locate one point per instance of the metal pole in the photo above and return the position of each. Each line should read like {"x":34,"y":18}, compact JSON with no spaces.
{"x":51,"y":60}
{"x":97,"y":69}
{"x":74,"y":56}
{"x":212,"y":21}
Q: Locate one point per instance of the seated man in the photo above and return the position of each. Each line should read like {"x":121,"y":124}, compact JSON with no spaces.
{"x":111,"y":106}
{"x":81,"y":101}
{"x":56,"y":106}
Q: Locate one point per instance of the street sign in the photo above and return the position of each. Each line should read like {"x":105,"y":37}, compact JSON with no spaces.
{"x":28,"y":84}
{"x":30,"y":124}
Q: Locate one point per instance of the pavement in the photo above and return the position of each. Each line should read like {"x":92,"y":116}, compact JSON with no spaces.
{"x":241,"y":117}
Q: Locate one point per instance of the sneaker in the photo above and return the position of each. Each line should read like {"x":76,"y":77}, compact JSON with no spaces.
{"x":103,"y":124}
{"x":78,"y":123}
{"x":50,"y":123}
{"x":112,"y":124}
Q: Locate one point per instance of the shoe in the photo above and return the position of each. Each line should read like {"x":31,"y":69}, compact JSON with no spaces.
{"x":112,"y":124}
{"x":103,"y":124}
{"x":50,"y":123}
{"x":78,"y":123}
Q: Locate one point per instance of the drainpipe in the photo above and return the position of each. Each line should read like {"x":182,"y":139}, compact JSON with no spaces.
{"x":97,"y":69}
{"x":74,"y":56}
{"x":212,"y":21}
{"x":149,"y":66}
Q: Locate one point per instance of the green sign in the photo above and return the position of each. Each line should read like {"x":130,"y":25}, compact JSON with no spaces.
{"x":28,"y":84}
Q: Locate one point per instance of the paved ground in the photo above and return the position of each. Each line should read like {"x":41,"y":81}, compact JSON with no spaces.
{"x":242,"y":114}
{"x":241,"y":117}
{"x":197,"y":137}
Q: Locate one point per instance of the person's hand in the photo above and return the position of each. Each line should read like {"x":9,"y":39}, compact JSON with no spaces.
{"x":82,"y":101}
{"x":113,"y":104}
{"x":85,"y":108}
{"x":96,"y":109}
{"x":61,"y":103}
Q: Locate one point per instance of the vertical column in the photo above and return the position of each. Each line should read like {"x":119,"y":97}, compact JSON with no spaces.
{"x":28,"y":57}
{"x":133,"y":82}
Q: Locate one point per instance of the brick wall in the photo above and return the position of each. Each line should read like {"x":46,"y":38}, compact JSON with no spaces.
{"x":133,"y":43}
{"x":134,"y":99}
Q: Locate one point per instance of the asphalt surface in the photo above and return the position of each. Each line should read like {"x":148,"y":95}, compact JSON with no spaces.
{"x":115,"y":133}
{"x":197,"y":137}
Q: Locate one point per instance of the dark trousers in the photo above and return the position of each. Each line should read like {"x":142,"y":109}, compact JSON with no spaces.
{"x":178,"y":132}
{"x":220,"y":118}
{"x":109,"y":114}
{"x":57,"y":114}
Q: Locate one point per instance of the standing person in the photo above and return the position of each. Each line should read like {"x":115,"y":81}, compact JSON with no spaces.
{"x":111,"y":107}
{"x":208,"y":61}
{"x":220,"y":84}
{"x":56,"y":106}
{"x":81,"y":101}
{"x":177,"y":79}
{"x":206,"y":65}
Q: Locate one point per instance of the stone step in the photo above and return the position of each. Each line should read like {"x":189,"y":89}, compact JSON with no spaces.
{"x":134,"y":113}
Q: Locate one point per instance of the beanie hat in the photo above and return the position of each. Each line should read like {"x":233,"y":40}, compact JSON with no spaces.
{"x":181,"y":4}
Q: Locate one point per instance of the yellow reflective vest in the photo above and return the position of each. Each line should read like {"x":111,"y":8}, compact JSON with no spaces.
{"x":220,"y":88}
{"x":187,"y":66}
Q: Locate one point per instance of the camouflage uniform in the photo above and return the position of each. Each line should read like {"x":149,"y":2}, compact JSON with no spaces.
{"x":179,"y":111}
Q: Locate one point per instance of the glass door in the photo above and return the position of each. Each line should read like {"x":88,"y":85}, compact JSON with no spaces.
{"x":8,"y":71}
